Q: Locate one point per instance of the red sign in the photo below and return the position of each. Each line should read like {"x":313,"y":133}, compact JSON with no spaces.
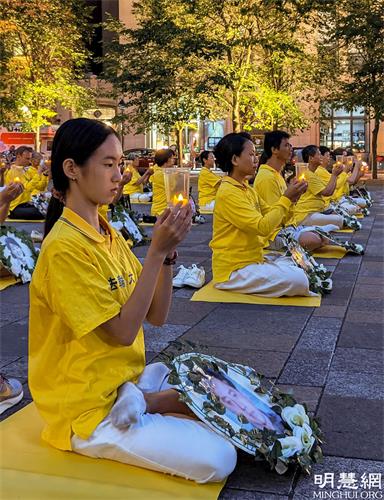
{"x":18,"y":138}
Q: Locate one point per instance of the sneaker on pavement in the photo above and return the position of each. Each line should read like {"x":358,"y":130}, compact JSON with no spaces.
{"x":178,"y":280}
{"x":11,"y":392}
{"x":195,"y":276}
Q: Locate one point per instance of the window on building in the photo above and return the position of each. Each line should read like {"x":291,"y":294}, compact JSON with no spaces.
{"x":340,"y":128}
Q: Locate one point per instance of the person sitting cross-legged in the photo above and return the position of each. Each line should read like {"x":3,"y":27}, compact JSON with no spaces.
{"x":270,"y":186}
{"x":241,"y":224}
{"x":89,"y":298}
{"x":308,"y":210}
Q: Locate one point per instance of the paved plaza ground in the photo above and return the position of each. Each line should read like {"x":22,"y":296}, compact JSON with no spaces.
{"x":331,"y":356}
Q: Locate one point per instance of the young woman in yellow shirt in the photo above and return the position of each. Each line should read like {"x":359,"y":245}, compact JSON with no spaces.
{"x":242,"y":223}
{"x":89,"y":297}
{"x":208,"y":182}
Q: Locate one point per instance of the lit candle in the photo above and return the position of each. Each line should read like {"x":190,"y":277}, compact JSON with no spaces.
{"x":302,"y":177}
{"x":179,"y":198}
{"x":17,"y":179}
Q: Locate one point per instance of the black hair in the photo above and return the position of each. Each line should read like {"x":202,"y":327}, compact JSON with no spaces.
{"x":162,"y":156}
{"x":324,"y":149}
{"x":273,"y":140}
{"x":204,"y":156}
{"x":263,"y":158}
{"x":308,"y":151}
{"x":22,"y":149}
{"x":230,"y":145}
{"x":77,"y":139}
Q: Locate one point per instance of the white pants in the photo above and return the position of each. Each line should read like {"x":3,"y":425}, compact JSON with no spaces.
{"x":276,"y":277}
{"x":318,"y":219}
{"x":350,"y":207}
{"x":177,"y":446}
{"x":208,"y":206}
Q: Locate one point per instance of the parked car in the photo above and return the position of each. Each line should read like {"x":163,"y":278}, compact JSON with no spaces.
{"x":142,"y":158}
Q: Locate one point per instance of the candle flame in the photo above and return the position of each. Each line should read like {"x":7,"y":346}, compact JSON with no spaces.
{"x":302,"y":177}
{"x":17,"y":179}
{"x":179,"y":198}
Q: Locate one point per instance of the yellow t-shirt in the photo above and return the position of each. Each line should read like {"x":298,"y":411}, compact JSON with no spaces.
{"x":239,"y":228}
{"x":81,"y":280}
{"x":311,"y":201}
{"x":340,"y":184}
{"x":33,"y":182}
{"x":270,"y":186}
{"x":159,"y":198}
{"x":207,"y":186}
{"x":131,"y":187}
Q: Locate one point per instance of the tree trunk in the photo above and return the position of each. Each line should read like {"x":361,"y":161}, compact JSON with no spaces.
{"x":179,"y":143}
{"x":37,"y":139}
{"x":375,"y":134}
{"x":236,"y":120}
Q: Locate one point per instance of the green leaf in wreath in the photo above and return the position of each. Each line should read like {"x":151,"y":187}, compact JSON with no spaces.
{"x":281,"y":467}
{"x":194,"y":377}
{"x":173,"y":379}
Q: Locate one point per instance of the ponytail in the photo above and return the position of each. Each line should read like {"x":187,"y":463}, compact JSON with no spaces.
{"x":55,"y":209}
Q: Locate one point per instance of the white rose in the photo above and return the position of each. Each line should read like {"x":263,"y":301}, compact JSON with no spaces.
{"x":290,"y":445}
{"x":117,"y":225}
{"x":304,"y":433}
{"x":295,"y":415}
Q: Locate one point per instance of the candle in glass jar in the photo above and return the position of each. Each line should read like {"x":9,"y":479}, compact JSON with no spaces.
{"x":17,"y":179}
{"x":301,"y":169}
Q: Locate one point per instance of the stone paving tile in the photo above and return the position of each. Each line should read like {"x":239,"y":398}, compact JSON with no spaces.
{"x":373,"y":316}
{"x":18,"y":369}
{"x":185,"y":292}
{"x":14,"y":338}
{"x":364,"y":291}
{"x":359,"y":385}
{"x":157,"y":338}
{"x":330,"y":311}
{"x":256,"y":477}
{"x":232,"y":494}
{"x":299,"y":369}
{"x":185,"y":312}
{"x":305,"y":394}
{"x":269,"y":363}
{"x":366,"y":336}
{"x":4,"y":360}
{"x":320,"y":334}
{"x":358,"y":361}
{"x":353,"y":426}
{"x":305,"y":487}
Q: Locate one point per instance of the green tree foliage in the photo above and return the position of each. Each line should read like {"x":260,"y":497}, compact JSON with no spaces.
{"x":43,"y":56}
{"x":198,"y":58}
{"x":354,"y":47}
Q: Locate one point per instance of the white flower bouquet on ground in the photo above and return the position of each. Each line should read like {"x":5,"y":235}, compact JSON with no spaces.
{"x":125,"y":221}
{"x":17,"y":253}
{"x":349,"y":221}
{"x":318,"y":275}
{"x":350,"y":246}
{"x":41,"y":202}
{"x":232,"y":400}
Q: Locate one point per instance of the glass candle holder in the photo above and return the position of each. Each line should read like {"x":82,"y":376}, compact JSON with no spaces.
{"x":176,"y":182}
{"x":341,"y":159}
{"x":301,"y":169}
{"x":350,"y":161}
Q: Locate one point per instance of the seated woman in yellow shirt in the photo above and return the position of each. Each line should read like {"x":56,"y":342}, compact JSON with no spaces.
{"x":308,"y":210}
{"x":89,"y":297}
{"x":163,"y":158}
{"x":208,"y":182}
{"x":135,"y":187}
{"x":242,"y":223}
{"x":33,"y":180}
{"x":270,"y":186}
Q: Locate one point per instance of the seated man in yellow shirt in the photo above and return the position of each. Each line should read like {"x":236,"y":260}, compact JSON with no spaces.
{"x":208,"y":182}
{"x":34,"y":181}
{"x":270,"y":186}
{"x":241,"y":224}
{"x":308,"y":210}
{"x":163,"y":158}
{"x":347,"y":178}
